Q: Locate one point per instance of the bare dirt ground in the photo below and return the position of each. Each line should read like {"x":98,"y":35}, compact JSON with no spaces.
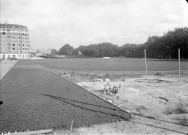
{"x":159,"y":102}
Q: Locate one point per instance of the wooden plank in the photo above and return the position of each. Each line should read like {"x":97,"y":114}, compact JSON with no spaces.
{"x":47,"y":131}
{"x":145,"y":62}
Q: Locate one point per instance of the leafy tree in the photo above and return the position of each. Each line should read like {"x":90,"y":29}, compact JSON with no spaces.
{"x":66,"y":50}
{"x":167,"y":45}
{"x":158,"y":47}
{"x":53,"y":52}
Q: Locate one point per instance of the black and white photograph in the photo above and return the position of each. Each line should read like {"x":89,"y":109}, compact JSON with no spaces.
{"x":90,"y":67}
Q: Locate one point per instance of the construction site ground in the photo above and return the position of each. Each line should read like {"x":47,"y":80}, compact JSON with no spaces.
{"x":158,"y":102}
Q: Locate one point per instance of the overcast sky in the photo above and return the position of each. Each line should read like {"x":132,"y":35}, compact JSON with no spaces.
{"x":52,"y":23}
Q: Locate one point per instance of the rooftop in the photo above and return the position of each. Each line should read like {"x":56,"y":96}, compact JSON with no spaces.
{"x":5,"y":25}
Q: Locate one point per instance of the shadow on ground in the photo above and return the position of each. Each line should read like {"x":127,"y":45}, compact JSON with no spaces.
{"x":87,"y":106}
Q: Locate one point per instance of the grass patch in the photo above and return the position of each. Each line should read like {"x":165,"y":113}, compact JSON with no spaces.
{"x":179,"y":108}
{"x":179,"y":112}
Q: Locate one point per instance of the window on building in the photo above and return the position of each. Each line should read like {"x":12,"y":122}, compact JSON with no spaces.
{"x":3,"y":33}
{"x":13,"y":48}
{"x":13,"y":44}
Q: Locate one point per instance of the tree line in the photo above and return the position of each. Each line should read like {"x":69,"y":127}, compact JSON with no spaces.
{"x":158,"y":47}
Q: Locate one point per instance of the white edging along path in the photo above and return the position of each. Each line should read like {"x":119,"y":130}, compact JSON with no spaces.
{"x":5,"y":66}
{"x":38,"y":132}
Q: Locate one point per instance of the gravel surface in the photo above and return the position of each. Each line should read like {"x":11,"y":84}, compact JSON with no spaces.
{"x":35,"y":98}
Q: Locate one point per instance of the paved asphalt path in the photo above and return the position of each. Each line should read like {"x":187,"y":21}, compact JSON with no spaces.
{"x":35,"y":98}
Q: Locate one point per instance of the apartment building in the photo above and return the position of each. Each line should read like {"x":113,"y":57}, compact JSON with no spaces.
{"x":14,"y":41}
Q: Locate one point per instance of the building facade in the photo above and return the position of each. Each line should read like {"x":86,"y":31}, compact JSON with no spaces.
{"x":14,"y":41}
